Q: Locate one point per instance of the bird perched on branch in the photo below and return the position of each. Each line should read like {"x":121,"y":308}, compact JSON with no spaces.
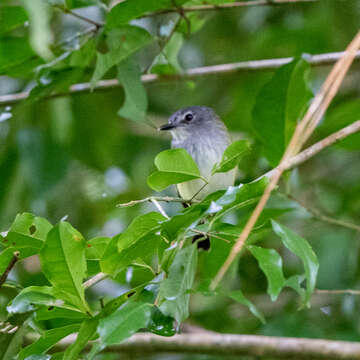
{"x":204,"y":136}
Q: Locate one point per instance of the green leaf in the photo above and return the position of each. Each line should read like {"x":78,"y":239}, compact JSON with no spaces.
{"x":238,"y":296}
{"x":86,"y":332}
{"x":124,"y":322}
{"x":174,"y":166}
{"x":11,"y":17}
{"x":167,"y":61}
{"x":237,"y":197}
{"x":279,"y":106}
{"x":10,"y":344}
{"x":13,"y":51}
{"x":30,"y":296}
{"x":95,"y":248}
{"x":63,"y":263}
{"x":338,"y":117}
{"x":137,"y":241}
{"x":232,"y":156}
{"x":83,"y":56}
{"x":53,"y":312}
{"x":26,"y":235}
{"x":303,"y":250}
{"x":135,"y":105}
{"x":39,"y":12}
{"x":174,"y":290}
{"x":270,"y":263}
{"x":48,"y":340}
{"x":122,"y":42}
{"x":125,"y":11}
{"x":160,"y":324}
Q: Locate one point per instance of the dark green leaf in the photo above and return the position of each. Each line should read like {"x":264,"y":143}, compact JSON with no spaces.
{"x":135,"y":105}
{"x":48,"y":340}
{"x":86,"y":332}
{"x":279,"y":106}
{"x":13,"y":51}
{"x":238,"y":296}
{"x":10,"y":344}
{"x":53,"y":312}
{"x":139,"y":240}
{"x":11,"y":17}
{"x":125,"y":11}
{"x":63,"y":263}
{"x":232,"y":156}
{"x":303,"y":250}
{"x":124,"y":322}
{"x":160,"y":324}
{"x":174,"y":290}
{"x":122,"y":43}
{"x":174,"y":166}
{"x":270,"y":263}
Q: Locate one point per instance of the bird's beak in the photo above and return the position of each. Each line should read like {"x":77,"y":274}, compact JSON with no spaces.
{"x":166,"y":127}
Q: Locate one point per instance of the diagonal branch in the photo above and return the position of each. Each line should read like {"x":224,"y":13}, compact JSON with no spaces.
{"x":12,"y":263}
{"x":302,"y":132}
{"x":254,"y":65}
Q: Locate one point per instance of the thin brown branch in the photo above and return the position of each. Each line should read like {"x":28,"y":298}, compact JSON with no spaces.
{"x":254,"y":65}
{"x":229,"y":6}
{"x":234,"y":345}
{"x":302,"y":132}
{"x":320,"y":216}
{"x":78,"y":16}
{"x":12,"y":263}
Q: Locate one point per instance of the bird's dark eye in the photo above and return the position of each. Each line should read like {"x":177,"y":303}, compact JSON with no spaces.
{"x":189,"y":117}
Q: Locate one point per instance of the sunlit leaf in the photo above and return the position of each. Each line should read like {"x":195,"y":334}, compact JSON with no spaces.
{"x":279,"y":106}
{"x":174,"y":166}
{"x":63,"y":263}
{"x":270,"y":263}
{"x":47,"y":341}
{"x":232,"y":156}
{"x":303,"y":250}
{"x":124,"y":322}
{"x":174,"y":290}
{"x":135,"y":105}
{"x":86,"y":332}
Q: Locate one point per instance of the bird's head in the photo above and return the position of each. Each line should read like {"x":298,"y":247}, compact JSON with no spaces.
{"x":193,"y":120}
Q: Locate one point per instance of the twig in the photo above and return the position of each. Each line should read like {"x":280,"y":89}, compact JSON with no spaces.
{"x":254,"y":65}
{"x":340,"y":292}
{"x":78,"y":16}
{"x":318,"y":215}
{"x":94,"y":280}
{"x":228,"y":6}
{"x":151,"y":198}
{"x":158,"y":206}
{"x":208,"y":234}
{"x":302,"y":132}
{"x":235,"y":345}
{"x":12,"y":263}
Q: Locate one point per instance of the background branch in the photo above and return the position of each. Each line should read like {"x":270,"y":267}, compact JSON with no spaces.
{"x":12,"y":263}
{"x":254,"y":65}
{"x":236,"y":345}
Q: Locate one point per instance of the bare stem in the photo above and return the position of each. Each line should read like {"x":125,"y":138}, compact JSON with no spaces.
{"x":157,"y":198}
{"x":94,"y":280}
{"x":338,"y":292}
{"x":78,"y":16}
{"x":254,"y":65}
{"x":11,"y":264}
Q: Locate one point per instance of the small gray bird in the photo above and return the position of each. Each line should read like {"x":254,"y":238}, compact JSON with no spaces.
{"x":204,"y":136}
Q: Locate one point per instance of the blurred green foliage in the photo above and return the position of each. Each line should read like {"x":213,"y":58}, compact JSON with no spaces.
{"x":77,"y":156}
